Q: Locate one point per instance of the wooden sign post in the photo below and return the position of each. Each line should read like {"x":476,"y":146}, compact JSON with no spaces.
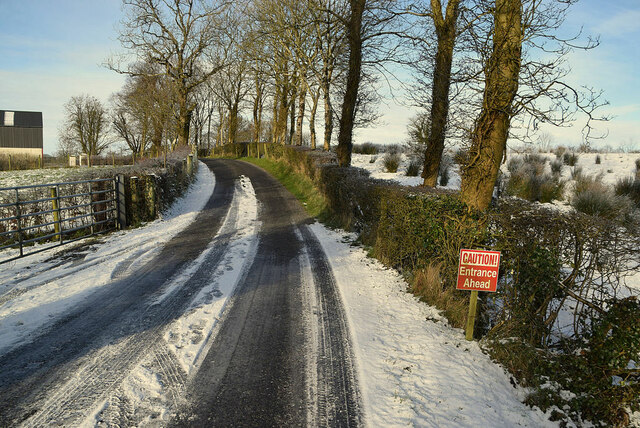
{"x":477,"y":271}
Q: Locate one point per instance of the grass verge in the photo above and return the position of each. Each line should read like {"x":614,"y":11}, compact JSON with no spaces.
{"x":301,"y":186}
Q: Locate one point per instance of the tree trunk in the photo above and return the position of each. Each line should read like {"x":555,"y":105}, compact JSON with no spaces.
{"x":328,"y":115}
{"x":312,"y":117}
{"x":275,"y":120}
{"x":446,"y":34}
{"x":283,"y":110}
{"x":184,"y":120}
{"x":302,"y":96}
{"x":347,"y":117}
{"x":292,"y":116}
{"x":490,"y":135}
{"x":233,"y":123}
{"x":257,"y":113}
{"x":209,"y":130}
{"x":219,"y":131}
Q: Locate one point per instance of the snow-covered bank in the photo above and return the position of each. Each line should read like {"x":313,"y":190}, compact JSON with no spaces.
{"x":414,"y":369}
{"x":35,"y":291}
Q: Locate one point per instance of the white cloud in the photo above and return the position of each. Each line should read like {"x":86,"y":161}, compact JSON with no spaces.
{"x":621,"y":24}
{"x":392,"y":127}
{"x":623,"y":109}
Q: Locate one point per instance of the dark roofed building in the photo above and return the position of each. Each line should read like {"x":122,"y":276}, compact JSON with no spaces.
{"x":21,"y":132}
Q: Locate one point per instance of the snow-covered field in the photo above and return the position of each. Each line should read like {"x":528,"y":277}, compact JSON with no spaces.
{"x":612,"y":167}
{"x":48,"y":175}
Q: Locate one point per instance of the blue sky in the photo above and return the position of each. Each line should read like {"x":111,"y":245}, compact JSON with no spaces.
{"x":614,"y":67}
{"x":52,"y":50}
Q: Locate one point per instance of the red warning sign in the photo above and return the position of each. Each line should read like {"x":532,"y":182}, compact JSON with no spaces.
{"x":478,"y":270}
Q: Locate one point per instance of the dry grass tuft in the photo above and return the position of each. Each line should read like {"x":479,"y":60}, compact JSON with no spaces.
{"x":427,"y":285}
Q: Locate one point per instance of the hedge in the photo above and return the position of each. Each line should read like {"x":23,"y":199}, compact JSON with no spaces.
{"x":552,"y":262}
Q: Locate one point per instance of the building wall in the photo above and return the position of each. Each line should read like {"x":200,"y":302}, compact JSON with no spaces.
{"x":25,"y":138}
{"x":21,"y":132}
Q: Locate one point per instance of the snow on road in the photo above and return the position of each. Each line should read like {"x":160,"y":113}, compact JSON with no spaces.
{"x":185,"y":335}
{"x":36,"y":290}
{"x":414,"y":369}
{"x":188,"y":336}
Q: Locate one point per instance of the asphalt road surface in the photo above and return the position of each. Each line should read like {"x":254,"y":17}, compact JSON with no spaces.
{"x":281,"y":354}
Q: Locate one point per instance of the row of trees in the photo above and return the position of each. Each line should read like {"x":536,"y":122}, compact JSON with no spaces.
{"x":479,"y":67}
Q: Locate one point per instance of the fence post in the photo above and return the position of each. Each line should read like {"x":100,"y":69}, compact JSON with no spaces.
{"x":18,"y":216}
{"x":10,"y":167}
{"x":55,"y":205}
{"x":93,"y":218}
{"x":121,"y":201}
{"x":135,"y":200}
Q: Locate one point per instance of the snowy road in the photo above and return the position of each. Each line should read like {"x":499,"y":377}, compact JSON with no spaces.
{"x":281,"y":349}
{"x":233,"y":309}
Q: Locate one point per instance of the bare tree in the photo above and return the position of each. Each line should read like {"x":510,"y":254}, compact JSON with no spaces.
{"x":143,"y":109}
{"x":368,"y":25}
{"x":518,"y":85}
{"x":86,"y":125}
{"x":347,"y":117}
{"x":492,"y":127}
{"x":446,"y":32}
{"x":330,"y":37}
{"x":134,"y":133}
{"x":174,"y":34}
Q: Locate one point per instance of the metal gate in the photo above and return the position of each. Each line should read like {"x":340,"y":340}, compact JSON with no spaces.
{"x":39,"y":217}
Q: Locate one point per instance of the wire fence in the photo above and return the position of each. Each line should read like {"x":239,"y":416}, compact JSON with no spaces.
{"x":38,"y":217}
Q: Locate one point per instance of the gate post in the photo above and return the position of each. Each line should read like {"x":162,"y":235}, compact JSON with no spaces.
{"x":190,"y":165}
{"x":121,"y":202}
{"x":55,"y":204}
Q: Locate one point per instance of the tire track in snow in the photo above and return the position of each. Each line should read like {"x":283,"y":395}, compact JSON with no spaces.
{"x":82,"y":358}
{"x":94,"y":382}
{"x":269,"y":343}
{"x":68,"y":269}
{"x":166,"y":367}
{"x":338,"y":397}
